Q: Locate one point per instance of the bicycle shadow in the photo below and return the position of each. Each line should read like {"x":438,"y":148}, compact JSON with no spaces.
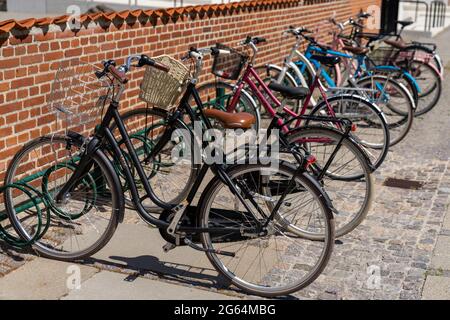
{"x":183,"y":274}
{"x":147,"y":265}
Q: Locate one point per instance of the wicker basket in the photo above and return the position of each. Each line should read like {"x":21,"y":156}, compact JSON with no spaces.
{"x":162,"y":89}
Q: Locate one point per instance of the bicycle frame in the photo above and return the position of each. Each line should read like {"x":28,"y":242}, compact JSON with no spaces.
{"x":250,"y":73}
{"x":360,"y":69}
{"x":277,"y":121}
{"x":104,"y":136}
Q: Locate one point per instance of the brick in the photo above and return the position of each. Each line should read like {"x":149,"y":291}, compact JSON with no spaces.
{"x":44,"y":78}
{"x":8,"y":52}
{"x":4,"y":132}
{"x":20,"y":83}
{"x":34,"y":101}
{"x":10,"y":107}
{"x":9,"y":63}
{"x":55,"y":55}
{"x":32,"y":59}
{"x":4,"y":86}
{"x":27,"y":125}
{"x":73,"y":52}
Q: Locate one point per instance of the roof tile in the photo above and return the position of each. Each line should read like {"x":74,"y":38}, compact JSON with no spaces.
{"x":8,"y":25}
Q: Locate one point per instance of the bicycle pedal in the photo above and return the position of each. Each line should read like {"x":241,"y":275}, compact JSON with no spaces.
{"x":168,"y":246}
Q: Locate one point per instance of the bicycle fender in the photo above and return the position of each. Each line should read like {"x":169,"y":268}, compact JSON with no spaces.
{"x":406,"y":74}
{"x":117,"y":185}
{"x":314,"y":181}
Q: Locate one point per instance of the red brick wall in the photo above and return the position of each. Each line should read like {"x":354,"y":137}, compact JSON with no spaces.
{"x":29,"y":60}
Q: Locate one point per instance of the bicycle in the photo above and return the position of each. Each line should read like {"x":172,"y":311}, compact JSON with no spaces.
{"x":233,"y":219}
{"x":420,"y":59}
{"x":373,"y":133}
{"x":387,"y":93}
{"x":323,"y":142}
{"x":422,"y":47}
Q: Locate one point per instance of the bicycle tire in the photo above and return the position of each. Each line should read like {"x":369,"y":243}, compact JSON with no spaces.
{"x":383,"y":145}
{"x":114,"y":192}
{"x":205,"y":204}
{"x":399,"y":121}
{"x":341,"y":182}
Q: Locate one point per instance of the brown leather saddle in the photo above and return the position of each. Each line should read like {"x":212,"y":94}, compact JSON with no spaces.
{"x":241,"y":120}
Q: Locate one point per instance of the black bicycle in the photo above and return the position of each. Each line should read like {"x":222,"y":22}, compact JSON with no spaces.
{"x":248,"y":219}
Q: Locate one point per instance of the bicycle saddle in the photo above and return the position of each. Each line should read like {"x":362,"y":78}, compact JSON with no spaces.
{"x":326,"y":60}
{"x":289,"y":92}
{"x":405,"y":23}
{"x":356,"y":50}
{"x":396,"y":44}
{"x":241,"y":120}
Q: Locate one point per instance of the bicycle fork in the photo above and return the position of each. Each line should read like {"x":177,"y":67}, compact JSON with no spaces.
{"x":84,"y":166}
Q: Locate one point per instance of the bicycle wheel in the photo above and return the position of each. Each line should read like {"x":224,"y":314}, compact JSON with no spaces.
{"x":275,"y":262}
{"x":396,"y":103}
{"x":401,"y":77}
{"x":218,"y":95}
{"x":372,"y":132}
{"x":85,"y":220}
{"x":347,"y":181}
{"x":169,"y":178}
{"x":430,"y":84}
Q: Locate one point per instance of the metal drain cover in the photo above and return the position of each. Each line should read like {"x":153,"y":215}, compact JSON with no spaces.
{"x":403,"y":183}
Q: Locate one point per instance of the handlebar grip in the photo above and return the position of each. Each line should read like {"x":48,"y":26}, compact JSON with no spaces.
{"x":216,"y":51}
{"x":120,"y":76}
{"x":259,"y":40}
{"x":146,"y":61}
{"x":364,"y":15}
{"x":160,"y":66}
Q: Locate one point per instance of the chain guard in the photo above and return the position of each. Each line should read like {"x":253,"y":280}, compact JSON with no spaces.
{"x":167,"y":216}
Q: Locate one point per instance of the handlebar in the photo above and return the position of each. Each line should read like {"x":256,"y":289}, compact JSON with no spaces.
{"x":350,"y":21}
{"x":252,"y":40}
{"x":119,"y":73}
{"x":363,"y":15}
{"x":297,"y":31}
{"x":198,"y":54}
{"x":356,"y":24}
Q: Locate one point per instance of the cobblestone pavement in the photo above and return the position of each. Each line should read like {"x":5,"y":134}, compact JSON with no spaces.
{"x":389,"y":255}
{"x":397,"y":239}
